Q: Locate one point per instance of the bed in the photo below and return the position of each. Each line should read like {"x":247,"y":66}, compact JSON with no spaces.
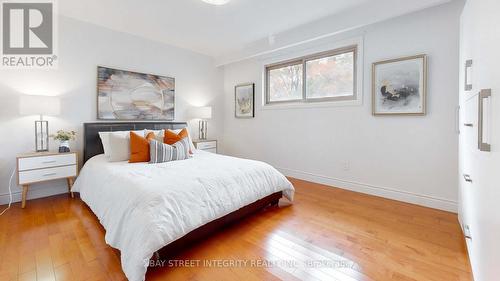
{"x":162,"y":208}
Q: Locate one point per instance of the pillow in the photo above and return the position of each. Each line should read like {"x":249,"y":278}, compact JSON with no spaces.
{"x":158,"y":134}
{"x":172,"y":136}
{"x":139,"y":147}
{"x":105,"y":138}
{"x":119,"y":147}
{"x":190,"y":139}
{"x":162,"y":152}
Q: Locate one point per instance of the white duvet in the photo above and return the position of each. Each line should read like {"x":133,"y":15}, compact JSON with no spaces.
{"x":144,"y":207}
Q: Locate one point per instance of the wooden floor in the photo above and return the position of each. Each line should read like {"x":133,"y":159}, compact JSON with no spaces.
{"x":327,"y":234}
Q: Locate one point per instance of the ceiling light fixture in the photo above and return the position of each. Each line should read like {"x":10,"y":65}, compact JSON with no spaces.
{"x":216,"y":2}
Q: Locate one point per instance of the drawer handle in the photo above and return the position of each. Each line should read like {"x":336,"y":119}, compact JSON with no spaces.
{"x":481,"y":145}
{"x":467,"y":232}
{"x":48,"y":162}
{"x":467,"y":178}
{"x":50,"y":174}
{"x":468,"y":125}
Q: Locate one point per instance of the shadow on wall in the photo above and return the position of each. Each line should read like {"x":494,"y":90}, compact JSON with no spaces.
{"x":9,"y":106}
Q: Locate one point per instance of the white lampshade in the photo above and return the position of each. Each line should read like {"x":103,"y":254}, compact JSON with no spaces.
{"x":39,"y":105}
{"x":204,"y":112}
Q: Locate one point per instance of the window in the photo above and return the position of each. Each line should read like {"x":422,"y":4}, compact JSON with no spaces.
{"x":285,"y":82}
{"x":327,"y":76}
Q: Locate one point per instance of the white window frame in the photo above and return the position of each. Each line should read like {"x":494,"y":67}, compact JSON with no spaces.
{"x":305,"y":55}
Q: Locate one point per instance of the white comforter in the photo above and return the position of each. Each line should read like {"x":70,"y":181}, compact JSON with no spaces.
{"x":144,"y":207}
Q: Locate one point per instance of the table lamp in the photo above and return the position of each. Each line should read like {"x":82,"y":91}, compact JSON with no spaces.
{"x":202,"y":113}
{"x":40,"y":105}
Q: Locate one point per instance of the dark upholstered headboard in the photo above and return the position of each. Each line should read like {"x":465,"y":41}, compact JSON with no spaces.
{"x":92,"y":143}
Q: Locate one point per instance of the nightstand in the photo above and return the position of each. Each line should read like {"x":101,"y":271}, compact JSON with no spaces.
{"x":206,"y":145}
{"x":45,"y":166}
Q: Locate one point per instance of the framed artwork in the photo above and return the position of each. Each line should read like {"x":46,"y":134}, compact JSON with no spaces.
{"x":128,"y":95}
{"x":399,"y":86}
{"x":244,"y":99}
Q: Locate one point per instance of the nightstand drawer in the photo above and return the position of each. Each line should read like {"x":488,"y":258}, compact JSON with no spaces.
{"x":32,"y":176}
{"x":206,"y":145}
{"x":212,"y":150}
{"x":30,"y":163}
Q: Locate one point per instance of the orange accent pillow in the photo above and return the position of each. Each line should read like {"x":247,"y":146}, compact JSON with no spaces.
{"x":139,"y":147}
{"x":171,"y":137}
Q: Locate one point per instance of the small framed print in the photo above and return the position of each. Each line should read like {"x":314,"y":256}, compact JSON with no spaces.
{"x":399,"y":86}
{"x":244,"y":100}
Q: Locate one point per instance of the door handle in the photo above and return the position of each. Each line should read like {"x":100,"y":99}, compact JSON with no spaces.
{"x":467,"y":86}
{"x":467,"y":178}
{"x":468,"y":125}
{"x":482,"y":146}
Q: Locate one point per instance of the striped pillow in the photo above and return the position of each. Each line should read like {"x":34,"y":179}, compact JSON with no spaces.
{"x":162,"y":152}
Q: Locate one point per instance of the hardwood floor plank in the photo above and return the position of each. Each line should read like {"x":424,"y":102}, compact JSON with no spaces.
{"x":64,"y":273}
{"x":333,"y":234}
{"x":44,"y":266}
{"x":27,"y":276}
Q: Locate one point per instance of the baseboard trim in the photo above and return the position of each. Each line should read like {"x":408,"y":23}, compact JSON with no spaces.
{"x":386,"y":192}
{"x":36,"y":191}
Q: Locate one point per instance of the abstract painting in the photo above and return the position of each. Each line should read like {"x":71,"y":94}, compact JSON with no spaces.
{"x":127,"y":95}
{"x":399,"y":86}
{"x":244,"y":101}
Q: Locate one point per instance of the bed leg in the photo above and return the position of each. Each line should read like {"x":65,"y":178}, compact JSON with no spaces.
{"x":275,"y":202}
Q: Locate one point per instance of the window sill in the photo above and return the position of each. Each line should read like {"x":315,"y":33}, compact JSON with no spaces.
{"x":297,"y":105}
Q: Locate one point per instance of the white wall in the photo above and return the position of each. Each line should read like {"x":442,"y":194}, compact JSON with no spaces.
{"x":480,"y":41}
{"x":355,"y":17}
{"x":82,"y":47}
{"x":406,"y":158}
{"x":412,"y":159}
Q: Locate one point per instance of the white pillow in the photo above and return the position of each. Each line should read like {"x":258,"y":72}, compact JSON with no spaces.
{"x":119,"y":147}
{"x":105,"y":139}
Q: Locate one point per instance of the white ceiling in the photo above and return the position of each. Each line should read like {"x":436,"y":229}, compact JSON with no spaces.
{"x":213,"y":30}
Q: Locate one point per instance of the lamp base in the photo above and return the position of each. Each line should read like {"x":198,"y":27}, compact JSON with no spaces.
{"x":202,"y":134}
{"x":41,"y":135}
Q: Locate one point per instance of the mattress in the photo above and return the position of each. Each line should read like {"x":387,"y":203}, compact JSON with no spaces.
{"x":144,"y":207}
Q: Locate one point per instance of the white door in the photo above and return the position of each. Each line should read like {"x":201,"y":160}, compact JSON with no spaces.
{"x":480,"y":199}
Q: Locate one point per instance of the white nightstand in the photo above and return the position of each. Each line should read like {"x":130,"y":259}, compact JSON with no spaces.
{"x":44,"y":166}
{"x":206,"y":145}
